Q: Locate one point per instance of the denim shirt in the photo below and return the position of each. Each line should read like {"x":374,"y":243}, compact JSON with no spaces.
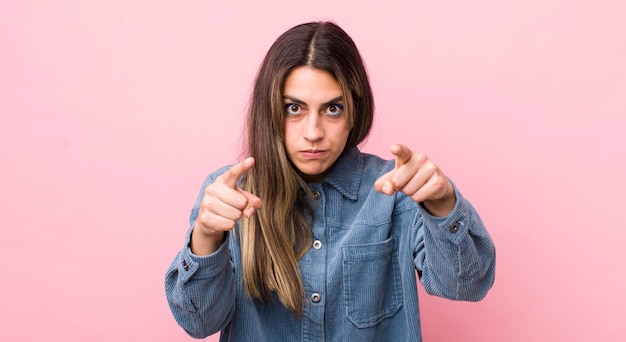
{"x":359,"y":275}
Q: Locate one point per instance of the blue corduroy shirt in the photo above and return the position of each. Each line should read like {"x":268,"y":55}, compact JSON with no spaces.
{"x":359,"y":275}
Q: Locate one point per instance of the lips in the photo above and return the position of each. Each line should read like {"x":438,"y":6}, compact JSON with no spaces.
{"x":313,"y":153}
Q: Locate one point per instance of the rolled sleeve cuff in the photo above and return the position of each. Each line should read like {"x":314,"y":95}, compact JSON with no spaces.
{"x":202,"y":267}
{"x":454,"y":226}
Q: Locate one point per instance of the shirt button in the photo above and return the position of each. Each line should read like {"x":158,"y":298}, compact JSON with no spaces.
{"x":316,"y":195}
{"x":317,"y":244}
{"x":454,"y":227}
{"x":185,"y":265}
{"x":316,"y":297}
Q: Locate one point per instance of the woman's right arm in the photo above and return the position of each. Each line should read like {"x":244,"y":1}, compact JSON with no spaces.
{"x":201,"y":290}
{"x":200,"y":285}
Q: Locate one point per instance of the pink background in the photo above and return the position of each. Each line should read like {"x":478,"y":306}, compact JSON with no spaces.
{"x":113,"y":112}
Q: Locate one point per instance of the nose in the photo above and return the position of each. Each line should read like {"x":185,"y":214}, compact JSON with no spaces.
{"x":313,"y":128}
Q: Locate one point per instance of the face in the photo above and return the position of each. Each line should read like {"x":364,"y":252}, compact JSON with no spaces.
{"x":316,"y":128}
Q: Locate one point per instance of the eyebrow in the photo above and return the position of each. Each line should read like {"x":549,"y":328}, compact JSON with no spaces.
{"x":300,"y":102}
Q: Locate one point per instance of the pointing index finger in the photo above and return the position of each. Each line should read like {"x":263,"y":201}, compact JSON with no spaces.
{"x":403,"y":154}
{"x":231,"y":176}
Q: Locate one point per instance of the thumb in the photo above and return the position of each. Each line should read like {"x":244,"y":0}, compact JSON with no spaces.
{"x":254,"y":203}
{"x":384,"y":184}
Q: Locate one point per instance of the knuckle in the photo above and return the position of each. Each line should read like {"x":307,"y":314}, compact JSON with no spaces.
{"x":210,"y":190}
{"x":420,"y":157}
{"x":202,"y":222}
{"x":208,"y":201}
{"x":431,"y":168}
{"x":239,"y":202}
{"x":439,"y":184}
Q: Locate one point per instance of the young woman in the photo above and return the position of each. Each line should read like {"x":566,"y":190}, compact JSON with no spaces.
{"x":310,"y":239}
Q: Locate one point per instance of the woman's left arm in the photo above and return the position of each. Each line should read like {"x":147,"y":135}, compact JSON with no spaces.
{"x":453,"y":251}
{"x":454,"y":254}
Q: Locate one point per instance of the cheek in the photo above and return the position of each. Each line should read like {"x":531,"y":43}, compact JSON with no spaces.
{"x":290,"y":133}
{"x":343,"y":131}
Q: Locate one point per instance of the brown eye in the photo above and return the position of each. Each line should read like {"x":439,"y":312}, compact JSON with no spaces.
{"x":334,"y":110}
{"x":292,"y":109}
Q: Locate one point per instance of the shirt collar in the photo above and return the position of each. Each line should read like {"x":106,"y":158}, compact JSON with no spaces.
{"x":346,"y":174}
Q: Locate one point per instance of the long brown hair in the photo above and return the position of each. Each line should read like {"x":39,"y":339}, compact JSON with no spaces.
{"x":280,"y":233}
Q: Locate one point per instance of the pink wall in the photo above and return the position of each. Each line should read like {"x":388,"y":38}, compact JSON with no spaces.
{"x":112,"y":113}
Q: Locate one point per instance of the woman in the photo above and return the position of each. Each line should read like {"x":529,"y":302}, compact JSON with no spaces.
{"x":310,"y":239}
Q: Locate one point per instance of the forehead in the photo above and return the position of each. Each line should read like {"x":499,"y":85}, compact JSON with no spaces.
{"x":311,"y":85}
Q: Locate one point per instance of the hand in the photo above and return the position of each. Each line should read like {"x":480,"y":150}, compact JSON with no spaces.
{"x":418,"y":177}
{"x":223,"y":204}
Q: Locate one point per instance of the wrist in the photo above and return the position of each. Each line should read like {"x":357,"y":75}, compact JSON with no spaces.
{"x":203,"y":243}
{"x":442,"y":206}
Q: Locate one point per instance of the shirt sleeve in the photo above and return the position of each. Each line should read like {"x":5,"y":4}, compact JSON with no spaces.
{"x":454,"y":254}
{"x":200,"y":290}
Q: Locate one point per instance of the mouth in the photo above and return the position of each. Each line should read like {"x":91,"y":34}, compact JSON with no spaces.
{"x":313,"y":153}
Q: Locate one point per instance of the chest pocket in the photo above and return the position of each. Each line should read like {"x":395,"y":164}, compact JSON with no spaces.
{"x":372,"y":287}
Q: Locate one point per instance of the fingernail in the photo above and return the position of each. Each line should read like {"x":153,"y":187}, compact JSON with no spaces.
{"x":250,"y":212}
